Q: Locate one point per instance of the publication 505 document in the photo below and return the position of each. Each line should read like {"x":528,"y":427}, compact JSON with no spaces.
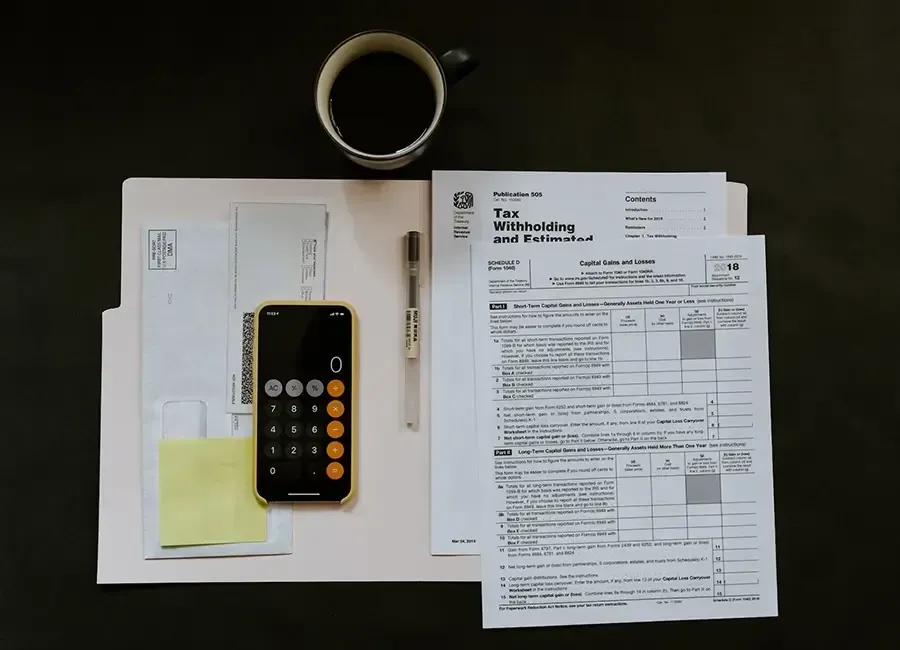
{"x":534,"y":209}
{"x":624,"y":435}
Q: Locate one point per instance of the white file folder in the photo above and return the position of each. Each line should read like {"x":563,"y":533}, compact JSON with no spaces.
{"x":383,"y":534}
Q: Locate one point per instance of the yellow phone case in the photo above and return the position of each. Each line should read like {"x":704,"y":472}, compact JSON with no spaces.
{"x":354,"y":388}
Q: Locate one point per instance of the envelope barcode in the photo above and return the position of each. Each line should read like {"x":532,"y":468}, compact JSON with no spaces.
{"x":247,"y":358}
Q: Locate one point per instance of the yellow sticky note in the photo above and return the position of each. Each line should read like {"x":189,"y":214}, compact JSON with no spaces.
{"x":206,"y":494}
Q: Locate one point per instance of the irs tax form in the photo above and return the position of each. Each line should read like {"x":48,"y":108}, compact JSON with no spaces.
{"x":624,"y":435}
{"x":532,"y":208}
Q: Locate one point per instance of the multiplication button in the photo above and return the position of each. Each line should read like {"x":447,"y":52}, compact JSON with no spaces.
{"x":294,"y":388}
{"x":273,"y":388}
{"x":335,"y":408}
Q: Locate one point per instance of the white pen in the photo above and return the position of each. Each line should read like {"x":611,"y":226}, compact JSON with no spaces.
{"x":412,"y":329}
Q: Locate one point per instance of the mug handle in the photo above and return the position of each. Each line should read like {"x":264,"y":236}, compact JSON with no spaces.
{"x":457,"y":63}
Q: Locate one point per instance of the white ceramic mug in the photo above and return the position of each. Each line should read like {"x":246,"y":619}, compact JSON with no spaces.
{"x":443,"y":72}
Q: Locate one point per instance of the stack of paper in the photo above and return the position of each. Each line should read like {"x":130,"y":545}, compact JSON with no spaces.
{"x":611,"y":460}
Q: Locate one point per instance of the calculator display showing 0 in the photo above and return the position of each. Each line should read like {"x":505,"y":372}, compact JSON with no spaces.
{"x":304,"y":401}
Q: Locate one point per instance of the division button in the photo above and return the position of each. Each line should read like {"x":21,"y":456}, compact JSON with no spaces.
{"x":334,"y":470}
{"x":335,"y":388}
{"x":335,"y":408}
{"x":294,"y":388}
{"x":273,"y":388}
{"x":334,"y":450}
{"x":315,"y":387}
{"x":335,"y":429}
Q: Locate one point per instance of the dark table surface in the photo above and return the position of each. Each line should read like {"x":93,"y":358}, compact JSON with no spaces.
{"x":800,"y":100}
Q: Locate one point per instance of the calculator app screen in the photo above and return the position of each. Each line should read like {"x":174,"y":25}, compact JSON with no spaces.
{"x":303,"y":402}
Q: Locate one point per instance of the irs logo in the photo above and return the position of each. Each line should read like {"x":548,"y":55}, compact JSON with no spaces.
{"x":463,"y":200}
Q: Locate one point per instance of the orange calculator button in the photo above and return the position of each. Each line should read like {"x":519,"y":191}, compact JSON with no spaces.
{"x":335,"y":408}
{"x":335,"y":429}
{"x":334,"y":450}
{"x":335,"y":388}
{"x":334,"y":471}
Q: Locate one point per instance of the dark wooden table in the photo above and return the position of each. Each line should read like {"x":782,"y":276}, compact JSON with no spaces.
{"x":800,"y":100}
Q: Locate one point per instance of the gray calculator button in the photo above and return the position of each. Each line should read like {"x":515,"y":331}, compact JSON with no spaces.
{"x":315,"y":387}
{"x":294,"y":388}
{"x":273,"y":388}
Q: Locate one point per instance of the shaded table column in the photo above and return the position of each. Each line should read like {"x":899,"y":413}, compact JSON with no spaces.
{"x":703,"y":489}
{"x":698,"y":350}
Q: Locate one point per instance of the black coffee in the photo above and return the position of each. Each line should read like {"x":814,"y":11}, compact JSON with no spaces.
{"x":381,"y":103}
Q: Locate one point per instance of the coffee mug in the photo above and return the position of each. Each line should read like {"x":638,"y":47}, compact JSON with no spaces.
{"x":380,"y":95}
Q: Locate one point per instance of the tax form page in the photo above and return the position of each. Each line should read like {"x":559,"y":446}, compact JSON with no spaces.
{"x":624,"y":434}
{"x":533,"y":208}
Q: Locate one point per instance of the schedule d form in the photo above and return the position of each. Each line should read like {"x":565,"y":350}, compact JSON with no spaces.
{"x":624,"y":434}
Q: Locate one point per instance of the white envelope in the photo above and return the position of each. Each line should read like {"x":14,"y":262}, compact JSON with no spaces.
{"x":185,"y":306}
{"x":276,"y":251}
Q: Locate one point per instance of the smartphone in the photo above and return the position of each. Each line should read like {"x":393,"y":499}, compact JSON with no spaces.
{"x":304,"y":402}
